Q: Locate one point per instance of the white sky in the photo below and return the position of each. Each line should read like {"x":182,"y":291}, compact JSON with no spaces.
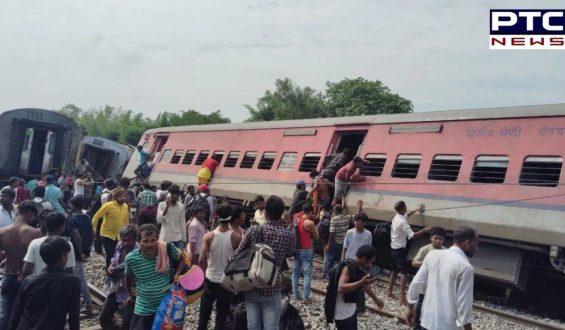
{"x":153,"y":56}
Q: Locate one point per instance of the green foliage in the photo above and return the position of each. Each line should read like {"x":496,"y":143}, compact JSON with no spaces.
{"x":288,"y":101}
{"x":349,"y":97}
{"x":357,"y":97}
{"x":126,"y":126}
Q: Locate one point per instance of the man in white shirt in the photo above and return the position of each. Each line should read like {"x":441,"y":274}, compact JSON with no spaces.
{"x":13,"y":184}
{"x":356,"y":237}
{"x":33,"y":263}
{"x":79,"y":185}
{"x":7,"y":210}
{"x":448,"y":275}
{"x":400,"y":233}
{"x":171,"y":216}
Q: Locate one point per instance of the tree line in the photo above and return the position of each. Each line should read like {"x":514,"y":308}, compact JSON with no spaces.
{"x":348,"y":97}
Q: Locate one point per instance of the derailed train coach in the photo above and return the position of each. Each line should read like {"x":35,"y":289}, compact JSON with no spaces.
{"x":108,"y":158}
{"x":498,"y":170}
{"x":36,"y":141}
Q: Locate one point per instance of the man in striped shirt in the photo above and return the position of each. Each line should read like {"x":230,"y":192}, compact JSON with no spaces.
{"x":339,"y":225}
{"x":150,"y":285}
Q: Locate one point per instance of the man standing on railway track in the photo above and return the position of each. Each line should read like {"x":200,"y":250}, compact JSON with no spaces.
{"x":172,"y":217}
{"x":448,"y":275}
{"x":347,"y":287}
{"x":54,"y":195}
{"x":303,"y":258}
{"x":339,"y":225}
{"x":148,"y":275}
{"x":33,"y":262}
{"x":400,"y":233}
{"x":118,"y":294}
{"x":47,"y":298}
{"x":218,"y":247}
{"x":264,"y":305}
{"x":437,"y":237}
{"x":114,"y":215}
{"x":14,"y":241}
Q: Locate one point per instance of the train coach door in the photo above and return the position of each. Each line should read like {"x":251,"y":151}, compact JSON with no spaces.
{"x":48,"y":152}
{"x":352,"y":140}
{"x":37,"y":151}
{"x":157,"y":146}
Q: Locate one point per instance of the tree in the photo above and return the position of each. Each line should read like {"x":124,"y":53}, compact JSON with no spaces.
{"x":127,"y":126}
{"x":355,"y":97}
{"x":288,"y":101}
{"x":72,"y":111}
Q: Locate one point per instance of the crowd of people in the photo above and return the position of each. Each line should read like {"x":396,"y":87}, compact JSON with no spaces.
{"x":49,"y":226}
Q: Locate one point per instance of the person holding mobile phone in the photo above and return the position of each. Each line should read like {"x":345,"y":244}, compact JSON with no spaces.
{"x":348,"y":285}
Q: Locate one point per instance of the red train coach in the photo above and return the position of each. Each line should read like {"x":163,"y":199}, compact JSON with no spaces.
{"x":497,"y":170}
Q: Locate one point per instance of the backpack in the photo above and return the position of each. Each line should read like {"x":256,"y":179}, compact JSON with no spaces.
{"x":381,"y":235}
{"x":254,"y":267}
{"x":324,"y":229}
{"x":197,"y":201}
{"x":290,"y":318}
{"x":293,"y":229}
{"x":331,"y":290}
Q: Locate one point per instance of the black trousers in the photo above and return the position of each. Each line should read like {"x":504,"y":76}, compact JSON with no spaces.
{"x":418,"y":312}
{"x":109,"y":309}
{"x":347,"y":324}
{"x":223,"y":299}
{"x":109,"y":248}
{"x":139,"y":322}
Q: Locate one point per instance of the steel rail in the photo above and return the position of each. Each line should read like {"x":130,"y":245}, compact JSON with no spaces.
{"x":514,"y":318}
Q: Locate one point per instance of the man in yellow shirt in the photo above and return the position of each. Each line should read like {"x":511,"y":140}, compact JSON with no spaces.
{"x":114,"y":215}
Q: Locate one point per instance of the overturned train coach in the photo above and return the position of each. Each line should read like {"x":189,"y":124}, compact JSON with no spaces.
{"x":108,"y":158}
{"x":497,"y":170}
{"x":36,"y":141}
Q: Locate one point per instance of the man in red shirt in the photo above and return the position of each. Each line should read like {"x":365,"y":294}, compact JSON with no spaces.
{"x":345,"y":175}
{"x":307,"y":231}
{"x":206,"y":172}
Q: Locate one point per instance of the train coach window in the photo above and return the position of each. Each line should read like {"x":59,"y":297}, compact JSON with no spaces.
{"x":489,"y":169}
{"x":374,"y":165}
{"x":188,"y":157}
{"x":287,"y":161}
{"x":309,"y":162}
{"x":166,"y":156}
{"x":202,"y":157}
{"x":445,"y":167}
{"x":541,"y":171}
{"x":177,"y":156}
{"x":232,"y":159}
{"x":266,"y":162}
{"x":248,"y":159}
{"x":219,"y":155}
{"x":406,"y":166}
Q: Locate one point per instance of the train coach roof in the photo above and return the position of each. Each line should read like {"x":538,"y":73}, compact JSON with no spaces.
{"x":547,"y":110}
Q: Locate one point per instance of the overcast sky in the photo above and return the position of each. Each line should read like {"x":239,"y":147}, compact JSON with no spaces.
{"x":152,"y":56}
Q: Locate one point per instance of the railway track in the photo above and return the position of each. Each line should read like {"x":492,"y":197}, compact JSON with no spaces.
{"x":99,"y":298}
{"x":514,"y":318}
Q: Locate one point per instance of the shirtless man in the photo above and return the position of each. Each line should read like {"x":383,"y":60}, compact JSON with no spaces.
{"x":14,"y":241}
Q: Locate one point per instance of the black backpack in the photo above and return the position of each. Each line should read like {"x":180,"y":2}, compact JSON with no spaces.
{"x":324,"y":229}
{"x":290,"y":318}
{"x":381,"y":235}
{"x":197,"y":201}
{"x":331,"y":290}
{"x":293,"y":229}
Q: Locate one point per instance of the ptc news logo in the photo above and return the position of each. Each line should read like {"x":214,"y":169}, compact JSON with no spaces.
{"x":527,"y":29}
